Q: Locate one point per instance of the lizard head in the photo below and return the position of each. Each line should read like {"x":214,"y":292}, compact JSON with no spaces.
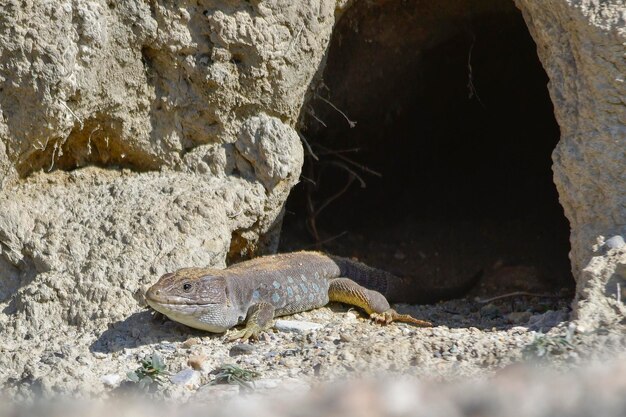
{"x":195,"y":297}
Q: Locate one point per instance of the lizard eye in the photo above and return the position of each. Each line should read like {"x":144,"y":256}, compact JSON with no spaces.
{"x":186,"y":287}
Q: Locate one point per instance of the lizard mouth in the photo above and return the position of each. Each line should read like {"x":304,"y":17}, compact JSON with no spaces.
{"x":152,"y":298}
{"x":155,"y":296}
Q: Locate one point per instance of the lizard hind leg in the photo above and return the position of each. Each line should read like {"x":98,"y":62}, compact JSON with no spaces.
{"x":346,"y":291}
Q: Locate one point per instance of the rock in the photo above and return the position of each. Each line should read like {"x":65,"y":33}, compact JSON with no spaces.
{"x":187,"y":378}
{"x":167,"y":347}
{"x":518,"y":317}
{"x":190,"y":342}
{"x":242,"y":349}
{"x":296,"y":326}
{"x":547,"y":320}
{"x":196,"y":361}
{"x":351,"y":316}
{"x":111,"y":380}
{"x":615,"y":242}
{"x":346,"y":337}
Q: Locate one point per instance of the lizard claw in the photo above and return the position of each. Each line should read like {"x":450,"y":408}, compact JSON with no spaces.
{"x":249,"y":332}
{"x":392,"y":315}
{"x":382,"y":318}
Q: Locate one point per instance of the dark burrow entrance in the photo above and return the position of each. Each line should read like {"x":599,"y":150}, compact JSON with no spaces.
{"x":452,"y":110}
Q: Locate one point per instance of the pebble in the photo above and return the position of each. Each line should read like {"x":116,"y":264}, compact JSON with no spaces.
{"x":191,"y":342}
{"x":196,"y":361}
{"x":547,"y":320}
{"x":346,"y":337}
{"x":351,"y":316}
{"x":167,"y":347}
{"x":241,"y":349}
{"x":187,"y":377}
{"x":111,"y":380}
{"x":99,"y":355}
{"x":615,"y":242}
{"x":296,"y":326}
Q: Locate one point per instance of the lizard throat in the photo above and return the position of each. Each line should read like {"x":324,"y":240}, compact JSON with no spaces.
{"x":208,"y":317}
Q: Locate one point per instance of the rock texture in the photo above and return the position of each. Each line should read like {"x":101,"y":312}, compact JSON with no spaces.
{"x":188,"y":110}
{"x":581,"y":45}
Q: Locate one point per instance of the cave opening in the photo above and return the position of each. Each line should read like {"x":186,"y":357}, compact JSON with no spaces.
{"x":432,"y":130}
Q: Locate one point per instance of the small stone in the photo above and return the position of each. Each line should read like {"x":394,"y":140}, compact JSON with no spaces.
{"x":345,"y":337}
{"x":351,"y":316}
{"x":241,"y":349}
{"x":99,"y":355}
{"x":547,"y":320}
{"x":250,"y":360}
{"x":615,"y":242}
{"x":187,"y":377}
{"x":111,"y":380}
{"x":167,"y":347}
{"x":296,"y":326}
{"x":347,"y":356}
{"x":190,"y":342}
{"x":519,"y":317}
{"x":196,"y":361}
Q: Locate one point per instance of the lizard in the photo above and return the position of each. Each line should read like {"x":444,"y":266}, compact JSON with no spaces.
{"x":257,"y":290}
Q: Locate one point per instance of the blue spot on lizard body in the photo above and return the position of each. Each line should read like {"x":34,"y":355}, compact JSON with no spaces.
{"x":276,"y":284}
{"x":275,"y":297}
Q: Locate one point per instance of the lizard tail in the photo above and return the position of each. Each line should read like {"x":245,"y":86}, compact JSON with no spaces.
{"x":400,"y":289}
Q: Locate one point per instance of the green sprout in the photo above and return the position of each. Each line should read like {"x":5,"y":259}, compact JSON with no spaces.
{"x":234,"y":375}
{"x":544,"y":346}
{"x":150,"y":374}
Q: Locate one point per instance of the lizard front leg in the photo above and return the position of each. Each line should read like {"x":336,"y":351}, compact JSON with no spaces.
{"x":258,"y":318}
{"x":344,"y":290}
